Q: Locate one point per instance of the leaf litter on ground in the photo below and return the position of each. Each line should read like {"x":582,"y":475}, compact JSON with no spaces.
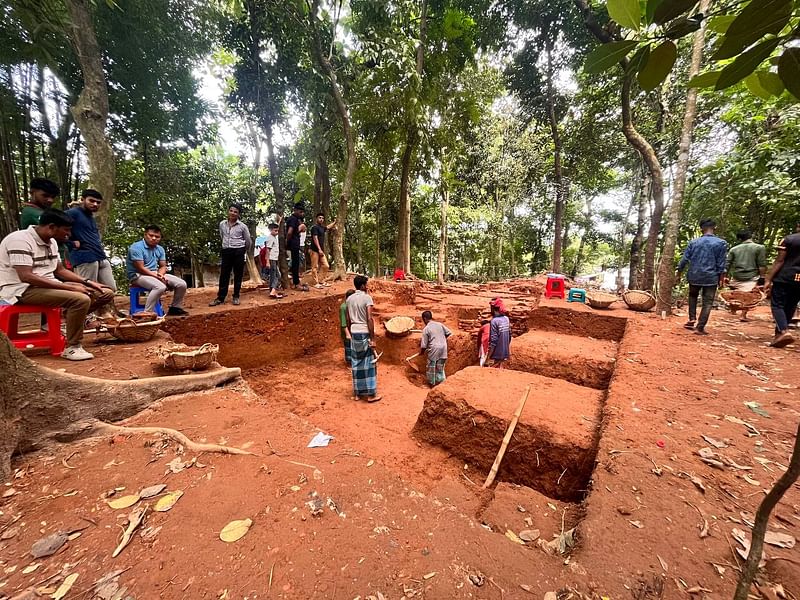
{"x":235,"y":530}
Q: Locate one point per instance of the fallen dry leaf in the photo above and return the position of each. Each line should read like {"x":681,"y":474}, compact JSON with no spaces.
{"x":49,"y":545}
{"x":664,"y":566}
{"x":153,"y":490}
{"x":713,"y":442}
{"x":124,"y":501}
{"x":31,"y":568}
{"x":429,"y":575}
{"x":167,"y":501}
{"x":782,"y":540}
{"x":637,"y":524}
{"x":698,"y":589}
{"x":235,"y":530}
{"x":529,"y":535}
{"x":65,"y":587}
{"x":719,"y":569}
{"x":9,"y":492}
{"x":513,"y":537}
{"x":750,"y":480}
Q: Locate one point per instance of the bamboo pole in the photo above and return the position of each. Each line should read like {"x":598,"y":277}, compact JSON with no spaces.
{"x":509,"y":432}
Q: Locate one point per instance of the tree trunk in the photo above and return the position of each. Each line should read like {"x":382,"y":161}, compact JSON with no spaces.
{"x":252,"y":197}
{"x":8,"y":179}
{"x":441,"y":274}
{"x":280,"y":202}
{"x":378,"y":206}
{"x":643,"y":195}
{"x":645,"y":150}
{"x":34,"y":408}
{"x":339,"y":270}
{"x":557,"y":149}
{"x":403,"y":253}
{"x":666,"y":270}
{"x":91,"y":110}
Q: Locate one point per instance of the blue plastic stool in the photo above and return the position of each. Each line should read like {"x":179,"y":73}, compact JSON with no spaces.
{"x":577,"y":295}
{"x":136,"y":302}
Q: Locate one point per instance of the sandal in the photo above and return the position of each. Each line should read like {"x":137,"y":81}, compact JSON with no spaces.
{"x":689,"y":324}
{"x":372,"y":399}
{"x":277,"y":296}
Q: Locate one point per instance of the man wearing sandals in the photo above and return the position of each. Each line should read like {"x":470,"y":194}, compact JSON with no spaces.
{"x":747,"y":265}
{"x":318,"y":259}
{"x":293,"y":230}
{"x":362,"y":342}
{"x":706,"y":258}
{"x":783,"y":282}
{"x":272,"y":246}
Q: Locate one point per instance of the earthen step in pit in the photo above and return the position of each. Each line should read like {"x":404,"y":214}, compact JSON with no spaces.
{"x":554,"y":444}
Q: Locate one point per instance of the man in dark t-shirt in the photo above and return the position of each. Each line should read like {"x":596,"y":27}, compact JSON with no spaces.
{"x":318,"y":259}
{"x":783,"y":280}
{"x":293,"y":224}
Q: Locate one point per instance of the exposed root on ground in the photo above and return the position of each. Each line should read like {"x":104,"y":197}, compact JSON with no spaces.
{"x":101,"y":428}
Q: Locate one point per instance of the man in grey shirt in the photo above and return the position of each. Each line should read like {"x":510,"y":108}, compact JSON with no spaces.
{"x":362,"y":342}
{"x":235,"y":242}
{"x":434,"y":341}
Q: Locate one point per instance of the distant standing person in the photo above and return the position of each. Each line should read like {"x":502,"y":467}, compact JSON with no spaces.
{"x":43,"y":193}
{"x":362,"y":342}
{"x":272,"y":246}
{"x":783,"y":281}
{"x":499,"y":335}
{"x":318,"y":259}
{"x":88,"y":257}
{"x":343,"y":327}
{"x":483,"y":341}
{"x":434,"y":343}
{"x":146,"y":266}
{"x":747,"y":265}
{"x":293,"y":232}
{"x":235,"y":242}
{"x":706,"y":257}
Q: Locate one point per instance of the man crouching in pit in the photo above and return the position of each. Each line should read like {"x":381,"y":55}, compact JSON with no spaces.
{"x":362,"y":342}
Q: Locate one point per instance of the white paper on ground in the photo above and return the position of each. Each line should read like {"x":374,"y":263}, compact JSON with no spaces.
{"x":320,"y":440}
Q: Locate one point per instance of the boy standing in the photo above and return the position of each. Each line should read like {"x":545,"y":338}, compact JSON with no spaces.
{"x":87,"y":256}
{"x":272,"y":247}
{"x":434,"y":341}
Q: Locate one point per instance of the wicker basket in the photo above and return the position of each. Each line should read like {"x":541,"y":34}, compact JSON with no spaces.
{"x":639,"y":300}
{"x":181,"y":357}
{"x":399,"y":326}
{"x":129,"y":330}
{"x":738,"y":300}
{"x":600,"y":299}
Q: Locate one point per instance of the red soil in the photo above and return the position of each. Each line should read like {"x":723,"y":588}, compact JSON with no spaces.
{"x":412,"y":524}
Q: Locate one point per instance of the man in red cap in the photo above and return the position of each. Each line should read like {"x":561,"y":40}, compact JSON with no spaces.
{"x":499,"y":334}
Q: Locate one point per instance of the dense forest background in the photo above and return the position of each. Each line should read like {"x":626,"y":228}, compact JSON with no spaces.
{"x":467,"y":139}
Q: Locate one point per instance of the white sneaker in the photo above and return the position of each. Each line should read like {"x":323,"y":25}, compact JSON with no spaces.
{"x":76,"y":353}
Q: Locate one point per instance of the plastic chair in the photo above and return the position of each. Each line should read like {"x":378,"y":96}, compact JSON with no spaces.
{"x":555,"y":286}
{"x":577,"y":295}
{"x":136,"y":302}
{"x":52,"y":338}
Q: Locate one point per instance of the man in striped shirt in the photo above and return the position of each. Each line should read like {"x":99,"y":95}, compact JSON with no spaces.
{"x":32,"y":273}
{"x":235,"y":242}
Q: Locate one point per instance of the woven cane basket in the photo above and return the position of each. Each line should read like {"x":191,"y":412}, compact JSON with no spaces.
{"x":738,"y":300}
{"x":129,"y":330}
{"x":399,"y":326}
{"x":639,"y":300}
{"x":600,"y":299}
{"x":181,"y":357}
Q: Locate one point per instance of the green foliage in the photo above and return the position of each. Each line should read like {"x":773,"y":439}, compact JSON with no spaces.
{"x":625,"y":12}
{"x":658,"y":65}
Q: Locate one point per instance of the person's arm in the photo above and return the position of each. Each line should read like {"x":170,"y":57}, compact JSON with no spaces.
{"x":776,"y":267}
{"x":447,"y":332}
{"x":315,"y":242}
{"x":722,"y":252}
{"x":66,"y":281}
{"x":761,"y":261}
{"x":248,"y":240}
{"x":289,"y":232}
{"x":331,"y":225}
{"x":730,"y":262}
{"x":349,"y":322}
{"x":423,"y":342}
{"x":162,"y":268}
{"x":494,"y":333}
{"x":370,"y":326}
{"x":685,"y":259}
{"x":142,"y":270}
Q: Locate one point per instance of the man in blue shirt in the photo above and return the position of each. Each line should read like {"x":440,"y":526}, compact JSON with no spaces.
{"x":706,"y":258}
{"x":87,"y":255}
{"x":146,"y":266}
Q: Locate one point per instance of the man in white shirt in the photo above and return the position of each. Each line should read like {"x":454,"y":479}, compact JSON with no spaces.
{"x":32,"y":273}
{"x":273,"y":249}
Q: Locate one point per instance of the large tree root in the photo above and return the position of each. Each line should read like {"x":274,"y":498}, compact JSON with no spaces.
{"x":38,"y":405}
{"x":100,"y":428}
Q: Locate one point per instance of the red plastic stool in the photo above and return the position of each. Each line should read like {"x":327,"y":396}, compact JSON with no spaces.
{"x":52,"y":338}
{"x":555,"y":286}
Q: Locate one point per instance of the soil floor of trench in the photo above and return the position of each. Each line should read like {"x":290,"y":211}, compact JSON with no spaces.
{"x":405,"y":518}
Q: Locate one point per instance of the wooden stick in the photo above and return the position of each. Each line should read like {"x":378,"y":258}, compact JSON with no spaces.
{"x":410,"y":364}
{"x":509,"y":432}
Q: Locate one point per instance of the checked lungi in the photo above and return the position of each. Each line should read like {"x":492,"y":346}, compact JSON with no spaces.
{"x":348,"y":351}
{"x":365,"y":372}
{"x":436,"y":371}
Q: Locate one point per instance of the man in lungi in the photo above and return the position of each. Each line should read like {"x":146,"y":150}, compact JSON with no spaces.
{"x":434,"y":342}
{"x":362,"y":342}
{"x":499,"y":334}
{"x":343,"y":327}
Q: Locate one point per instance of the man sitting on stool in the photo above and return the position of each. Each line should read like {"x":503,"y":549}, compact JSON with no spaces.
{"x":146,"y":266}
{"x":32,"y":274}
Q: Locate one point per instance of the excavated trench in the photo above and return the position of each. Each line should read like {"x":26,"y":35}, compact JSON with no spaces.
{"x":567,"y":357}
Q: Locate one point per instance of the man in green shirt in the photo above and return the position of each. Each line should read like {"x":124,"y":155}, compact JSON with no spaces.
{"x":343,"y":326}
{"x":747,"y":264}
{"x":43,"y":194}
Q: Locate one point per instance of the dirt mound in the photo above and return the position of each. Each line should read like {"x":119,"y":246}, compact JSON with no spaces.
{"x":553,"y":446}
{"x":574,"y":321}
